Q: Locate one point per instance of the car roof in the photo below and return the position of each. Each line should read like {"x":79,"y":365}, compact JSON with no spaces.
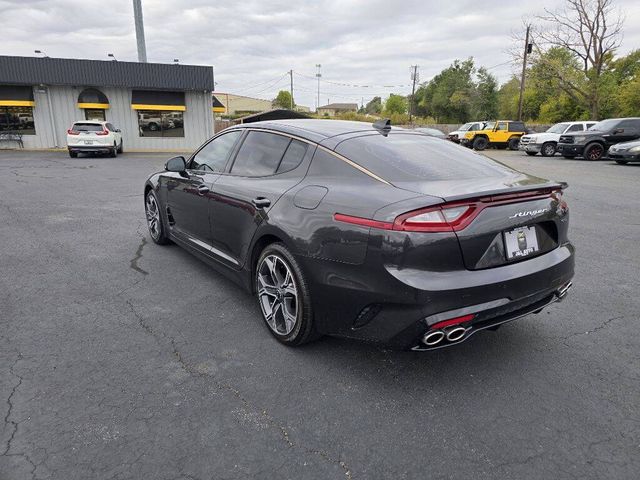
{"x":97,"y":122}
{"x":316,"y":130}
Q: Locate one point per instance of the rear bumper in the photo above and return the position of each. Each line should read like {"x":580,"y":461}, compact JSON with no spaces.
{"x":398,"y":306}
{"x":89,"y":148}
{"x":569,"y":149}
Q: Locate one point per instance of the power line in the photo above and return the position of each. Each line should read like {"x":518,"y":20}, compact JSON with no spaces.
{"x":262,"y":83}
{"x":343,"y":84}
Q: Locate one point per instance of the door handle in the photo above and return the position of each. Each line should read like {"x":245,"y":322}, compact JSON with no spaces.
{"x":202,"y":189}
{"x":261,"y":202}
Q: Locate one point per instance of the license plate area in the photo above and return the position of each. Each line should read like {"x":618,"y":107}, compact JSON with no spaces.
{"x":88,"y":142}
{"x":520,"y":242}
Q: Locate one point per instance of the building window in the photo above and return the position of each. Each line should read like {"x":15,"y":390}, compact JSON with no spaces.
{"x":18,"y":119}
{"x":94,"y":114}
{"x":160,"y":123}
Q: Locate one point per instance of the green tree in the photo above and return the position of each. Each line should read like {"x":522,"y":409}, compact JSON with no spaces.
{"x":395,"y":104}
{"x":283,"y":100}
{"x":484,"y":103}
{"x":447,"y":97}
{"x":374,"y":106}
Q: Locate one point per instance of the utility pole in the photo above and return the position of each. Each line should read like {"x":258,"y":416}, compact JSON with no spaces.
{"x":291,"y":75}
{"x":318,"y":75}
{"x":414,"y":77}
{"x":142,"y":47}
{"x":527,"y":50}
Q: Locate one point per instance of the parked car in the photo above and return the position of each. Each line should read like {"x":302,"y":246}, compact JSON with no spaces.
{"x":545,"y":143}
{"x":367,"y":232}
{"x":625,"y":152}
{"x":499,"y":134}
{"x":94,"y":136}
{"x":434,"y":132}
{"x":456,"y":135}
{"x":594,"y":143}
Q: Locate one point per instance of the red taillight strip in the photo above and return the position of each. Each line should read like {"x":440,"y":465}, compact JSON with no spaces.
{"x":365,"y":222}
{"x":453,"y":321}
{"x":475,"y":207}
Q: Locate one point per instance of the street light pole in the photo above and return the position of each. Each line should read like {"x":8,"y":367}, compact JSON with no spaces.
{"x":414,"y":77}
{"x":291,"y":75}
{"x":318,"y":75}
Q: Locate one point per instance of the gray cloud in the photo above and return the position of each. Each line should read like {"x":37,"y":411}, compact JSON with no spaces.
{"x":254,"y":41}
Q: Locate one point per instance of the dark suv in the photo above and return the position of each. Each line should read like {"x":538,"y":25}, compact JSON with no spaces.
{"x":594,"y":143}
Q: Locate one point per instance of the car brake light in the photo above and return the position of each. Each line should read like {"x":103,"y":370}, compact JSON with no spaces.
{"x":446,"y":218}
{"x":72,"y":132}
{"x":103,"y":132}
{"x":454,"y":216}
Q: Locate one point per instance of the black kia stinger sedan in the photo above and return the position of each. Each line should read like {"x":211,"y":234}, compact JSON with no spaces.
{"x":366,"y":231}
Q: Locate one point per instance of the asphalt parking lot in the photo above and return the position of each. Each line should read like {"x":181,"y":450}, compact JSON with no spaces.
{"x":121,"y":359}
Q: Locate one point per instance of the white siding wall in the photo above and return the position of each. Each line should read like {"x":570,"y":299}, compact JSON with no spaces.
{"x":198,"y":120}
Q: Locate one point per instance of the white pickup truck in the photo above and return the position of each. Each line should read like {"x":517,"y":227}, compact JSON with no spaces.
{"x":546,"y":142}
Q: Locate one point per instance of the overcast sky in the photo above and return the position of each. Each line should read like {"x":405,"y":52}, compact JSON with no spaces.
{"x":253,"y":43}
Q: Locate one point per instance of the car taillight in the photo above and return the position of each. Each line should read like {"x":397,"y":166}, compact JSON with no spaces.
{"x":446,"y":218}
{"x":72,"y":132}
{"x":454,"y":216}
{"x":103,"y":132}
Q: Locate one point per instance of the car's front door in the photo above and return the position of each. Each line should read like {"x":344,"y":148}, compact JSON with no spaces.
{"x":501,"y":132}
{"x":188,"y":193}
{"x":266,"y":165}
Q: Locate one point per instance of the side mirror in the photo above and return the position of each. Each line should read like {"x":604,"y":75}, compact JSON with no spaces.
{"x":176,"y":164}
{"x":118,"y":130}
{"x":618,"y":130}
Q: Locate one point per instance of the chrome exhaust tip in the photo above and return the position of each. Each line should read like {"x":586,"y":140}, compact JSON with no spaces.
{"x":433,"y":338}
{"x":456,"y":333}
{"x":562,"y":292}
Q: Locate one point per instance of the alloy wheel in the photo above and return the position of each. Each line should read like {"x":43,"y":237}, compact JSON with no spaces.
{"x":278,"y":294}
{"x":549,"y":150}
{"x":153,"y":216}
{"x":595,"y":152}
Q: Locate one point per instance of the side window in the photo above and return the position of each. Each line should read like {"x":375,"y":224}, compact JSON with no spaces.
{"x":589,"y":125}
{"x":260,"y":154}
{"x":293,"y":156}
{"x":631,"y":124}
{"x":501,"y":126}
{"x":214,"y":155}
{"x":575,"y":128}
{"x":516,"y":127}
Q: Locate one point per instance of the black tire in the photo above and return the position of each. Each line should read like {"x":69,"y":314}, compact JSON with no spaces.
{"x":569,"y":157}
{"x":531,"y":154}
{"x":548,"y":149}
{"x":73,"y":154}
{"x":113,"y":152}
{"x":303,"y":330}
{"x":120,"y":148}
{"x":593,"y":152}
{"x":480,"y":143}
{"x":159,"y":236}
{"x":621,"y":162}
{"x":513,"y":143}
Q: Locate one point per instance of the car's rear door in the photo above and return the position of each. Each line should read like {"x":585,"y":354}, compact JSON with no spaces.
{"x":265,"y":166}
{"x":189,"y":193}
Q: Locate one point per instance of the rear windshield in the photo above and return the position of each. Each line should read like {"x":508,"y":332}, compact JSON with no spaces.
{"x":405,"y":157}
{"x":87,"y":127}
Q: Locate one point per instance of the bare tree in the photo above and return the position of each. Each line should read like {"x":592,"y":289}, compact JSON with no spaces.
{"x":592,"y":31}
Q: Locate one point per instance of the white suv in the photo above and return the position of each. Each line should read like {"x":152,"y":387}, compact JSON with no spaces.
{"x":93,"y":136}
{"x":545,"y":143}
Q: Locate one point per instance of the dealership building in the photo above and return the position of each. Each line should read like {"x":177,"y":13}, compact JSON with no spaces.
{"x":156,"y":106}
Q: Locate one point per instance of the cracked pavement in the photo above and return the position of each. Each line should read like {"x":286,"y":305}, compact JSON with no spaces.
{"x":121,"y":359}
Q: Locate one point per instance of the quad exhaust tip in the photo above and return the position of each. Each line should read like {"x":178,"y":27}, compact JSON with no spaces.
{"x":434,"y":337}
